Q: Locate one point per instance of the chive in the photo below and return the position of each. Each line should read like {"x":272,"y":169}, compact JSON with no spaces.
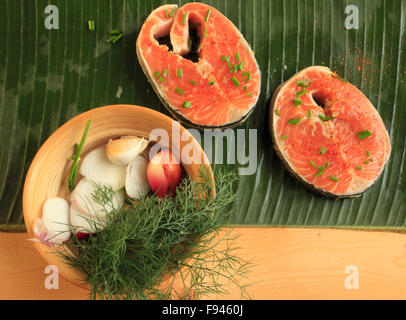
{"x":327,"y":165}
{"x":321,"y":168}
{"x":173,"y":12}
{"x":368,"y":154}
{"x":237,"y":56}
{"x":187,"y":104}
{"x":339,"y":78}
{"x":166,"y":13}
{"x":161,"y":79}
{"x":235,"y":81}
{"x":297,"y":102}
{"x":312,"y":164}
{"x":302,"y":83}
{"x":157,"y":74}
{"x":234,"y":68}
{"x":204,"y":33}
{"x":179,"y":73}
{"x":180,"y":91}
{"x":241,"y":66}
{"x":318,"y":174}
{"x":115,"y":32}
{"x":284,"y":137}
{"x":90,"y":24}
{"x":245,"y":88}
{"x":364,"y":134}
{"x":325,"y":118}
{"x":184,"y":19}
{"x":111,"y":38}
{"x":211,"y":83}
{"x":277,"y":112}
{"x":309,"y":113}
{"x":248,"y":74}
{"x":193,"y":83}
{"x":207,"y":16}
{"x":334,"y":178}
{"x":249,"y":94}
{"x":294,"y":121}
{"x":366,"y":162}
{"x":322,"y":150}
{"x":165,"y":73}
{"x":301,"y":93}
{"x":117,"y":38}
{"x":359,"y":168}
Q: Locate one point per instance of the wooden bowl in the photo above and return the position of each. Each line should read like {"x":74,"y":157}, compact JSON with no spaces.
{"x":48,"y":173}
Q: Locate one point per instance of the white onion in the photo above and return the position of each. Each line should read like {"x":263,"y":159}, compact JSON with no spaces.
{"x":54,"y":226}
{"x":124,"y":150}
{"x":97,"y":167}
{"x":85,"y":223}
{"x":136,"y":182}
{"x":82,"y":197}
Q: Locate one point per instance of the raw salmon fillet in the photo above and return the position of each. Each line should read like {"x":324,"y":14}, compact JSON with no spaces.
{"x":328,"y":133}
{"x":221,"y":88}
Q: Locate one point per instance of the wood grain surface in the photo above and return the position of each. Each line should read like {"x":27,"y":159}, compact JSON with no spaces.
{"x":290,"y":264}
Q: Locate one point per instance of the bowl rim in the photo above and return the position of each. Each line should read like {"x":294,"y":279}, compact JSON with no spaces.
{"x":64,"y":268}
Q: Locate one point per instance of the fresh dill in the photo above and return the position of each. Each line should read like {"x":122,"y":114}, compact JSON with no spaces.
{"x":171,"y":248}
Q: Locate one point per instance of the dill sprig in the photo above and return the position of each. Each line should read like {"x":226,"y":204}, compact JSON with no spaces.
{"x":165,"y":248}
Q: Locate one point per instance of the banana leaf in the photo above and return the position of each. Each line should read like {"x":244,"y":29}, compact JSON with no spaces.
{"x":49,"y":76}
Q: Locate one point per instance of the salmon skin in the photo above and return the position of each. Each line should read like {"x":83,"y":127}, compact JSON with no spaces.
{"x":328,"y":133}
{"x":221,"y":88}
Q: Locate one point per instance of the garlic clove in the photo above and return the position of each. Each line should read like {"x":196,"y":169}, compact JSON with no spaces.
{"x":124,"y":150}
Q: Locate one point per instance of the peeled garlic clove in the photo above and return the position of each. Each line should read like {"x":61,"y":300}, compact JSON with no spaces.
{"x":96,"y":167}
{"x":136,"y":182}
{"x":124,"y":150}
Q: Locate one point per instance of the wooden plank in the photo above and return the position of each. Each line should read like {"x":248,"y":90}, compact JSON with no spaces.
{"x":290,"y":264}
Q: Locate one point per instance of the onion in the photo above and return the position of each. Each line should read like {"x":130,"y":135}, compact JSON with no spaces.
{"x":84,"y":223}
{"x":53,"y":228}
{"x":136,"y":182}
{"x":125,"y":150}
{"x":82,"y":197}
{"x":96,"y":167}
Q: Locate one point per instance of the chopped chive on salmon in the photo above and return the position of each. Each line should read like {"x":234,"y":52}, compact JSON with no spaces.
{"x":187,"y":105}
{"x":180,"y":91}
{"x":302,"y":83}
{"x":249,"y":94}
{"x":173,"y":12}
{"x":248,"y":75}
{"x":237,"y":56}
{"x":335,"y":179}
{"x":277,"y":112}
{"x":184,"y":19}
{"x":241,"y":66}
{"x":235,"y":81}
{"x":179,"y":73}
{"x":325,"y":118}
{"x":161,"y":79}
{"x":367,"y":153}
{"x":322,"y":150}
{"x":318,"y":174}
{"x":327,"y":165}
{"x":300,"y":93}
{"x":364,"y":134}
{"x":207,"y":16}
{"x":166,"y":13}
{"x":312,"y":164}
{"x":193,"y":83}
{"x":211,"y":83}
{"x":339,"y":78}
{"x":234,"y":68}
{"x":245,"y":88}
{"x":284,"y":137}
{"x":358,"y":168}
{"x":294,"y":121}
{"x":204,"y":33}
{"x":366,"y":162}
{"x":157,"y":74}
{"x":297,"y":102}
{"x":309,"y":113}
{"x":165,"y":73}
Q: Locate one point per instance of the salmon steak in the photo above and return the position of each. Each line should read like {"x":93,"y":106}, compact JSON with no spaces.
{"x":220,"y":87}
{"x":328,"y":134}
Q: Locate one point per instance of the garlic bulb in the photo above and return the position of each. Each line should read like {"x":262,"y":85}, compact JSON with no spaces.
{"x":124,"y":150}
